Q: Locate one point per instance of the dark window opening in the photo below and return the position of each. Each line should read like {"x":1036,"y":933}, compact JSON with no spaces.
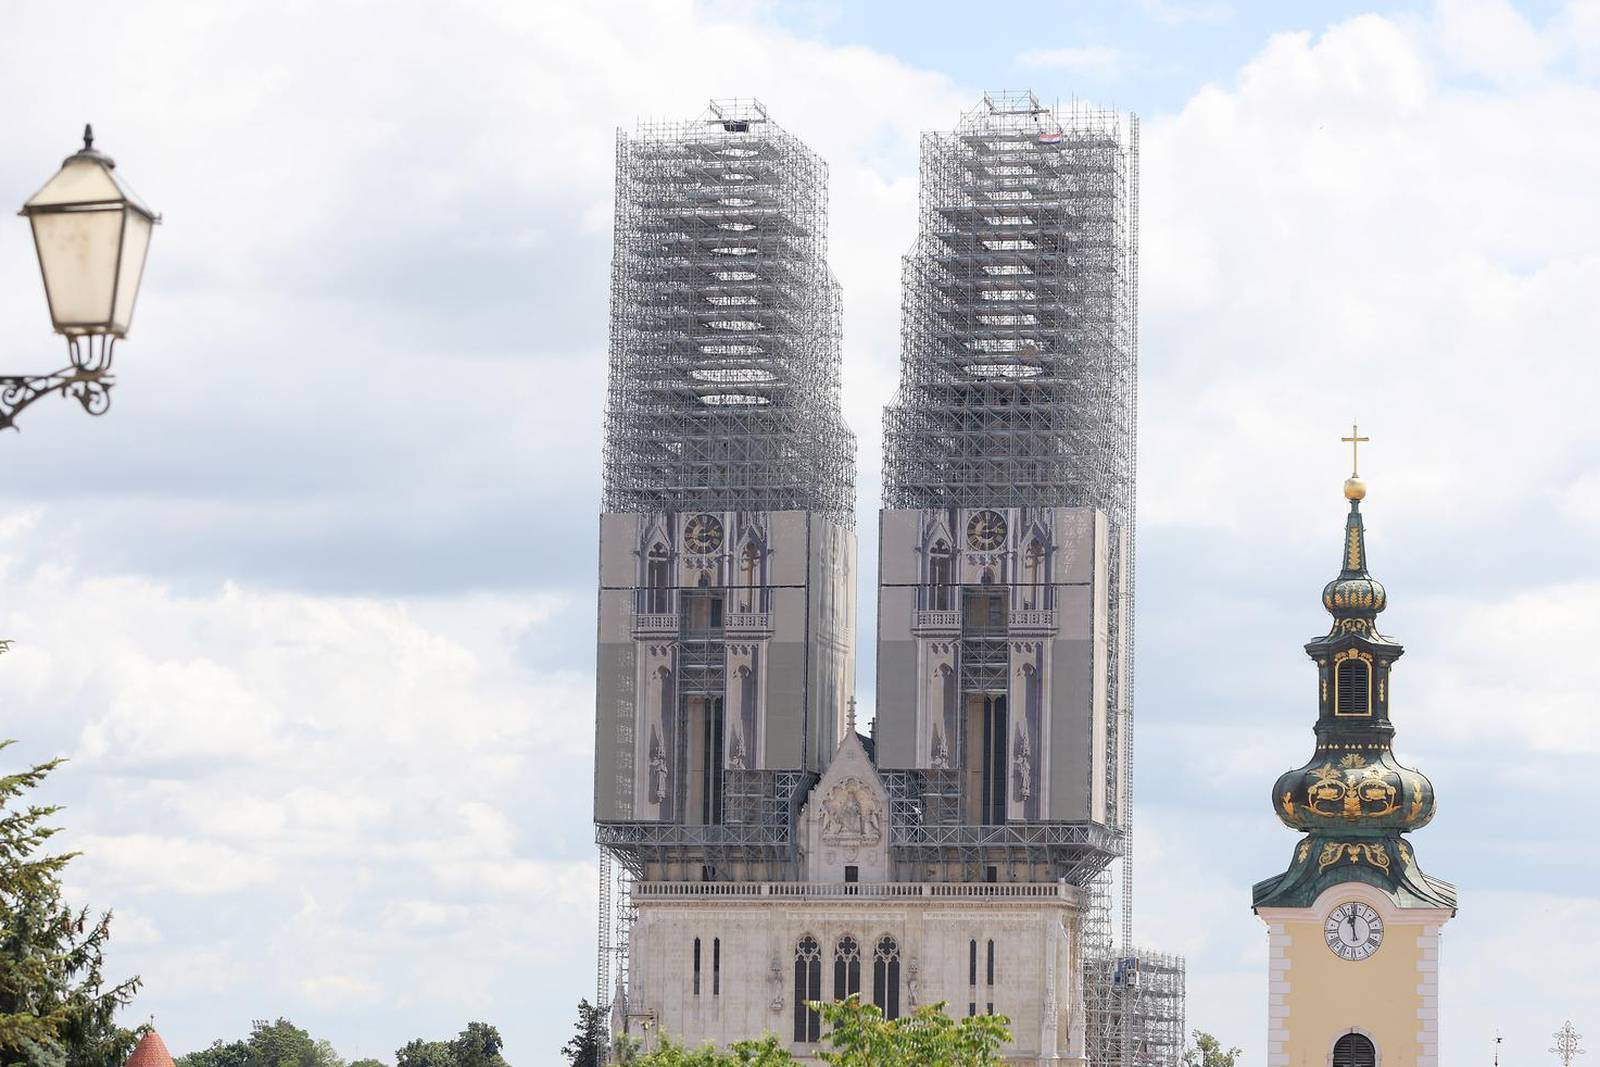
{"x":716,"y":966}
{"x":852,"y":873}
{"x":846,"y":968}
{"x":886,"y":978}
{"x":697,"y":966}
{"x":1353,"y":695}
{"x":1354,"y":1050}
{"x":807,"y":988}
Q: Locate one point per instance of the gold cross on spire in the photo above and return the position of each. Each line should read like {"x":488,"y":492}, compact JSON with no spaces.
{"x":1355,"y":441}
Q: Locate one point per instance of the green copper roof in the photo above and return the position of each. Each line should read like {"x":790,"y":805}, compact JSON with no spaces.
{"x":1353,"y":799}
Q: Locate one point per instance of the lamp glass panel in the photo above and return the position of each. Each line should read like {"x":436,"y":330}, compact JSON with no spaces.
{"x":130,"y":271}
{"x":78,"y":255}
{"x":78,"y":181}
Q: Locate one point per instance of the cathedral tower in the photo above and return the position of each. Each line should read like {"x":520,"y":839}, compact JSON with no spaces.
{"x":1354,"y":922}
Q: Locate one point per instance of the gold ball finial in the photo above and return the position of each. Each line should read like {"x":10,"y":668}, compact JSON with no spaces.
{"x":1354,"y":489}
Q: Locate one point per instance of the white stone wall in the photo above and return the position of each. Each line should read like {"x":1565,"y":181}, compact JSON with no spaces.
{"x":1036,"y":963}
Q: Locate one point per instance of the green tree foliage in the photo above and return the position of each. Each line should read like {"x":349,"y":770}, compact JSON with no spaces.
{"x":232,"y":1054}
{"x":478,"y":1045}
{"x":55,"y":1007}
{"x":861,"y":1037}
{"x":368,"y":1063}
{"x":1208,"y":1052}
{"x":587,"y":1047}
{"x":763,"y":1053}
{"x":275,"y":1044}
{"x":858,"y":1036}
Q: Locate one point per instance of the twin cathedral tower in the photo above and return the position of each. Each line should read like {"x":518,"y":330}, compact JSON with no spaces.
{"x":767,"y":854}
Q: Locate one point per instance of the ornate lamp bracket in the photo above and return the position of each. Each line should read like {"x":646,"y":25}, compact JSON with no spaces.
{"x":87,"y":379}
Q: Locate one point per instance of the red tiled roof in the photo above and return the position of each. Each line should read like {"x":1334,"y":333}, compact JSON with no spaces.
{"x":152,"y":1052}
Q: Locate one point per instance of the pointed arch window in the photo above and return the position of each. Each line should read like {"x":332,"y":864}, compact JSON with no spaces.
{"x":846,"y":968}
{"x":939,"y":576}
{"x":807,"y":988}
{"x":1033,"y":574}
{"x":886,"y":977}
{"x":749,"y":571}
{"x":658,"y":581}
{"x":1355,"y":1050}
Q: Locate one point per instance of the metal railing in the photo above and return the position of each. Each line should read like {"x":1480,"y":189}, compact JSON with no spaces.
{"x":859,"y":890}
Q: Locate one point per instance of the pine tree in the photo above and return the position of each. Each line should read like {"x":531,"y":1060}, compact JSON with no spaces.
{"x":587,"y":1047}
{"x":55,"y":1009}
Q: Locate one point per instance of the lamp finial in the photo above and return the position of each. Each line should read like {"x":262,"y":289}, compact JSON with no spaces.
{"x":88,"y":137}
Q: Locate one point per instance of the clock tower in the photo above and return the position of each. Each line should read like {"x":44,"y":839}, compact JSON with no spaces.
{"x":1354,"y":922}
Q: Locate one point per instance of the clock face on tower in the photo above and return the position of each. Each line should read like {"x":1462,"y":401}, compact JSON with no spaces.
{"x":986,"y":531}
{"x":703,"y":534}
{"x":1354,"y":931}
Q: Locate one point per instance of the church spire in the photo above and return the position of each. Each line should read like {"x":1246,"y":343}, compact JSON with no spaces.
{"x":1354,"y":800}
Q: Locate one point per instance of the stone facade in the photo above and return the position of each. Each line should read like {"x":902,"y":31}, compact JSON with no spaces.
{"x":726,"y":961}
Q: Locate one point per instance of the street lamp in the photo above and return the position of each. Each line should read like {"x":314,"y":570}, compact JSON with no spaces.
{"x":91,"y":234}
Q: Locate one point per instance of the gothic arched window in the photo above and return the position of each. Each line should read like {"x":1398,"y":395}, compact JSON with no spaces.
{"x":749,"y":569}
{"x":807,"y":988}
{"x":658,"y":581}
{"x":1355,"y":1050}
{"x":1033,"y":574}
{"x":939,"y":577}
{"x":1353,"y":687}
{"x":886,"y":977}
{"x":846,"y":968}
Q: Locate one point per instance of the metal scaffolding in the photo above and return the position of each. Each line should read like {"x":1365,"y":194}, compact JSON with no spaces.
{"x":1134,"y":1002}
{"x":725,"y":323}
{"x":1018,"y":363}
{"x":1019,"y":386}
{"x":723,"y":395}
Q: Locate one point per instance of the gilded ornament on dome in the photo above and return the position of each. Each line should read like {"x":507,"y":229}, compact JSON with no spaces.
{"x":1372,"y":853}
{"x":1416,"y":801}
{"x":1287,"y":800}
{"x":1353,"y":760}
{"x":1353,"y":548}
{"x":1405,"y":853}
{"x":1305,"y":850}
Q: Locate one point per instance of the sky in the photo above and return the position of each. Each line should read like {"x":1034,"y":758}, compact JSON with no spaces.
{"x":311,"y":609}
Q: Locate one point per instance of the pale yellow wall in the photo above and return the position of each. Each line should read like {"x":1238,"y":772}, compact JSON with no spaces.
{"x":1327,"y":996}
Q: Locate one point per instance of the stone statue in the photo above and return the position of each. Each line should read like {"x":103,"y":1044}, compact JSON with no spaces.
{"x":941,"y":753}
{"x":658,"y":769}
{"x":1022,"y":765}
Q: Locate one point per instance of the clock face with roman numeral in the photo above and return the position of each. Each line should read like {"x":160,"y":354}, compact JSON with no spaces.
{"x":1354,"y":931}
{"x":986,"y":531}
{"x":703,"y":534}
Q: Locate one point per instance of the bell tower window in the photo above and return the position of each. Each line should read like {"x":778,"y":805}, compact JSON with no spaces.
{"x":1355,"y":1050}
{"x":1352,"y":690}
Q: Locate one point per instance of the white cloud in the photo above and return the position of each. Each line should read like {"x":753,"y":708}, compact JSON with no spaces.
{"x":1095,"y":60}
{"x":1180,"y":14}
{"x":1491,"y":38}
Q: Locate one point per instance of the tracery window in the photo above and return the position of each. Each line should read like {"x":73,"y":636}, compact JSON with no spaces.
{"x":807,"y":988}
{"x":886,"y":977}
{"x":1354,"y":1050}
{"x":846,"y":968}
